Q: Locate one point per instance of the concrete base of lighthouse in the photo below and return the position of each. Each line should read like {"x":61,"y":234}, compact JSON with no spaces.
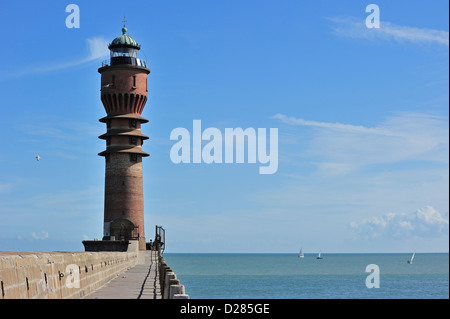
{"x":115,"y":245}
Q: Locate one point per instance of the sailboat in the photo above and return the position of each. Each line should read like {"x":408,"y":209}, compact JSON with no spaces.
{"x":300,"y":254}
{"x":412,"y":257}
{"x":319,"y":256}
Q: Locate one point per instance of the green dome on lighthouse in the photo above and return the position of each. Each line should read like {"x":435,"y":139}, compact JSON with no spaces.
{"x":124,"y":41}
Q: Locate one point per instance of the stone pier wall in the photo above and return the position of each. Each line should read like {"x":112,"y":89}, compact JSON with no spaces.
{"x":171,"y":288}
{"x":59,"y":275}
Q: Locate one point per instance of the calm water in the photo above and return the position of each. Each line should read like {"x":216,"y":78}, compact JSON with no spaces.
{"x":284,"y":276}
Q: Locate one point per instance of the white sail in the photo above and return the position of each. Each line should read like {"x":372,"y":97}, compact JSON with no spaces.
{"x":300,"y":255}
{"x":412,"y":257}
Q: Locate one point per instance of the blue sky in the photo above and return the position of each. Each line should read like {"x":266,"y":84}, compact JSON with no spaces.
{"x":362,"y":118}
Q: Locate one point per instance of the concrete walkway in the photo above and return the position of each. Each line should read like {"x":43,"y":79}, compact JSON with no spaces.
{"x":139,"y":282}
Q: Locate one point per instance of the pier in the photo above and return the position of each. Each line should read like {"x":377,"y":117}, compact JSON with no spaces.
{"x":151,"y":279}
{"x":129,"y":273}
{"x":140,"y":282}
{"x":88,"y":275}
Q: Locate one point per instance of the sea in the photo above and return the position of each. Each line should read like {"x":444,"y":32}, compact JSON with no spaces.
{"x":336,"y":276}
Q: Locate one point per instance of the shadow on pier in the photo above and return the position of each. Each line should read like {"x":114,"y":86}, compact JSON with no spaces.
{"x":140,"y":282}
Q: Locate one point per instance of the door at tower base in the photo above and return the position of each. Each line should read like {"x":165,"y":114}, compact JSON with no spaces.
{"x":122,"y":229}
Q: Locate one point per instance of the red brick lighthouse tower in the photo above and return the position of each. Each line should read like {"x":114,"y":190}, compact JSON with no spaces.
{"x":124,"y":94}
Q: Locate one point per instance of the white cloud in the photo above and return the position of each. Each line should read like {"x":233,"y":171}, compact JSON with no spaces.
{"x":336,"y":126}
{"x":341,"y":148}
{"x":40,"y":236}
{"x":356,"y":28}
{"x":97,"y":48}
{"x":425,"y":222}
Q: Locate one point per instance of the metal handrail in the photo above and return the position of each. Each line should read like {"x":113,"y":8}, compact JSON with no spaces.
{"x":132,"y":60}
{"x":160,"y":238}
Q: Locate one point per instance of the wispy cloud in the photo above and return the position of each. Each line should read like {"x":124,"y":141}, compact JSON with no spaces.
{"x":406,"y":136}
{"x":356,"y":28}
{"x":425,"y":222}
{"x":50,"y":137}
{"x":97,"y":48}
{"x":338,"y":126}
{"x":40,"y":236}
{"x":4,"y":187}
{"x":55,"y":129}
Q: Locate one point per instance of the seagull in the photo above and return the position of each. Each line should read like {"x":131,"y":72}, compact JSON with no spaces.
{"x":38,"y":157}
{"x":107,"y":85}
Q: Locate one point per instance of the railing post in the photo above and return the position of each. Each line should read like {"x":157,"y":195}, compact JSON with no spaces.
{"x":176,"y":289}
{"x":169,"y":275}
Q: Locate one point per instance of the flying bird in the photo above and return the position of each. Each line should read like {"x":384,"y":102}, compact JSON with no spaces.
{"x":38,"y":157}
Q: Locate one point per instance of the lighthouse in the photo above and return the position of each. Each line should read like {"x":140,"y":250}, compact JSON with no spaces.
{"x":124,"y":95}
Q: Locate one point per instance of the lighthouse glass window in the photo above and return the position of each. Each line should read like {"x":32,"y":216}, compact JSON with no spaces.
{"x":124,"y":52}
